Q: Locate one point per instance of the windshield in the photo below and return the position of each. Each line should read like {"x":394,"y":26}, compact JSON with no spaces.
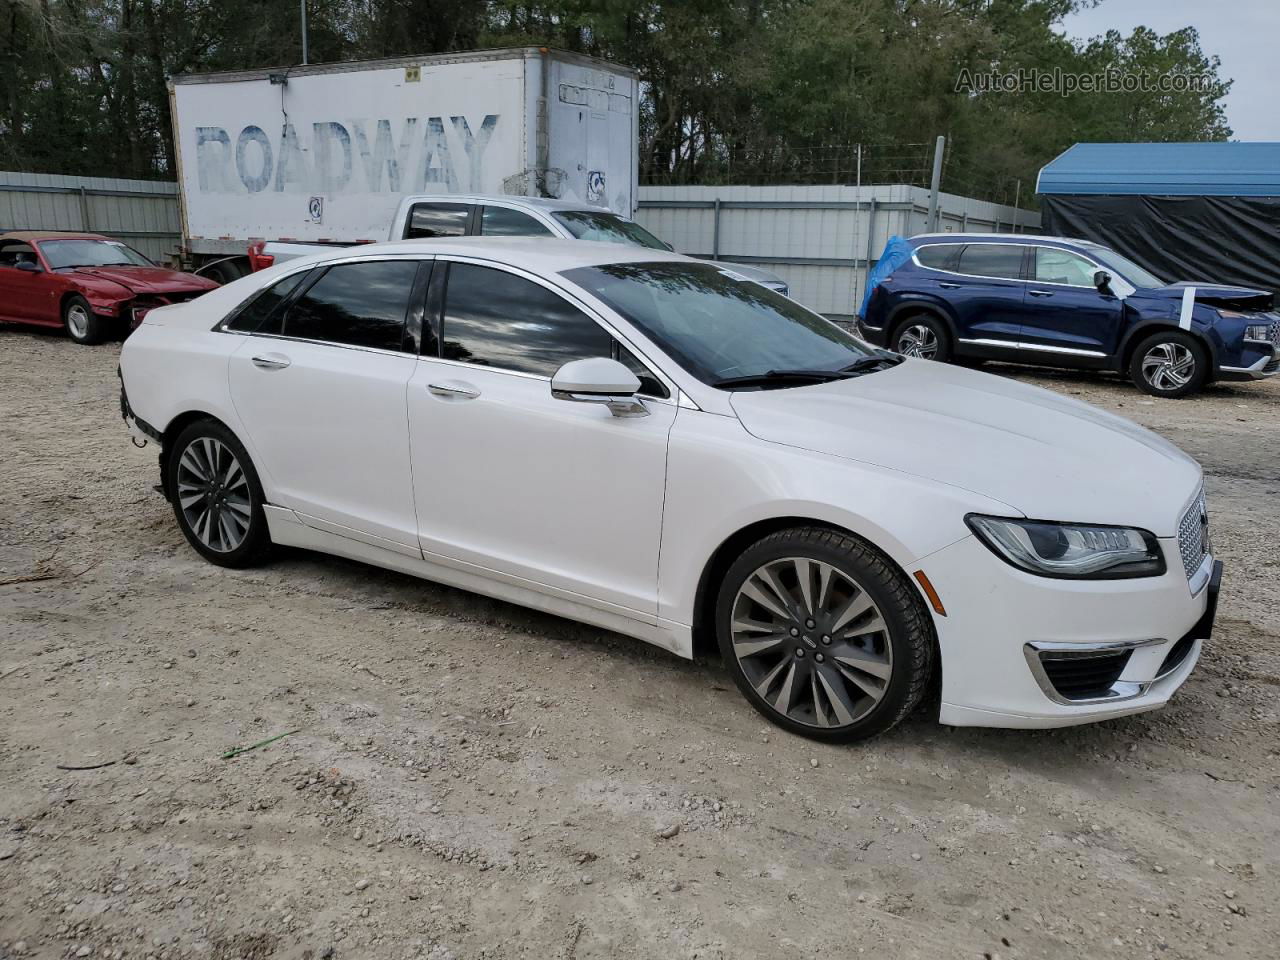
{"x":91,"y":253}
{"x":607,"y":227}
{"x":718,"y":325}
{"x":1122,"y":265}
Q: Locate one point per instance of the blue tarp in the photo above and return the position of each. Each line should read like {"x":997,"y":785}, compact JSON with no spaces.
{"x":896,"y":252}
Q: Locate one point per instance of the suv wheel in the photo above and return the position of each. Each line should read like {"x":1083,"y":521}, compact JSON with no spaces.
{"x":923,"y":336}
{"x":216,"y":496}
{"x":823,"y":635}
{"x":1169,"y":364}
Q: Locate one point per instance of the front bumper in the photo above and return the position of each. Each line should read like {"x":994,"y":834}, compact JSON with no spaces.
{"x":1025,"y":651}
{"x":1260,"y":369}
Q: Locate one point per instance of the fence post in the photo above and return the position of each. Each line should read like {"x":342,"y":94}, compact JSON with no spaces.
{"x":715,"y":230}
{"x":871,"y":250}
{"x":931,"y":224}
{"x":85,"y":225}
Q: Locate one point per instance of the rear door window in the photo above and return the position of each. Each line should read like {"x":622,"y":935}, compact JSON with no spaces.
{"x":437,"y":220}
{"x":1002,"y":261}
{"x":505,"y":222}
{"x":355,"y":304}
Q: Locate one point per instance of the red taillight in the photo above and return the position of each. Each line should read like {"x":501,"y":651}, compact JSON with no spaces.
{"x":257,"y":259}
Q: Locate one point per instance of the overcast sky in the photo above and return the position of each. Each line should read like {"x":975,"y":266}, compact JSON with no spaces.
{"x":1244,"y":33}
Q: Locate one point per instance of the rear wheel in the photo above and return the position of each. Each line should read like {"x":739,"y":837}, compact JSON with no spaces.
{"x":217,"y":497}
{"x":1170,"y":364}
{"x":823,"y":635}
{"x":923,"y":336}
{"x":82,"y":324}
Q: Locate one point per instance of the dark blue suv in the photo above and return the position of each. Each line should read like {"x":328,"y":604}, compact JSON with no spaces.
{"x":1069,"y":303}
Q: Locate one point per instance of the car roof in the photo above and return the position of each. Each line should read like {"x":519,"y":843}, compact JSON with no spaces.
{"x":30,"y":235}
{"x":540,"y":254}
{"x":532,"y":203}
{"x":989,"y":237}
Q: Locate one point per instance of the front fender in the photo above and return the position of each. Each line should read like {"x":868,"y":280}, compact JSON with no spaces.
{"x":710,"y":498}
{"x":104,"y":296}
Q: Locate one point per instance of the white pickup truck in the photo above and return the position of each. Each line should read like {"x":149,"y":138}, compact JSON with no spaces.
{"x":452,"y":215}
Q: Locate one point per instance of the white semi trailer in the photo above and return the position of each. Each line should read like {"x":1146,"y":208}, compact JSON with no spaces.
{"x":324,"y":153}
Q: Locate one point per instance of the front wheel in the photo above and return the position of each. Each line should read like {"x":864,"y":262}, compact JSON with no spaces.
{"x":83,"y":325}
{"x":823,"y":635}
{"x":1169,"y":364}
{"x":923,"y":336}
{"x":217,"y":497}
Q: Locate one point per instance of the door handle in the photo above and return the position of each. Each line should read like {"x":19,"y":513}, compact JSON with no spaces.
{"x":447,"y":392}
{"x":1040,"y":293}
{"x":949,"y":286}
{"x":272,"y":361}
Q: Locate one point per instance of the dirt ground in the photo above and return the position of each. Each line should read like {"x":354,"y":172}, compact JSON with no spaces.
{"x":466,"y":779}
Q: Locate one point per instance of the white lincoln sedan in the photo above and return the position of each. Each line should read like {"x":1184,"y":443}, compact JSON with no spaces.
{"x":654,"y":445}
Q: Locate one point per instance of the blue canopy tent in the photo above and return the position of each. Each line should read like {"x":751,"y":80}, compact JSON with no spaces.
{"x":1185,"y":211}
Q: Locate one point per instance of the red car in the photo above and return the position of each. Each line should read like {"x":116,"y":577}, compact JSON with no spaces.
{"x":85,"y":283}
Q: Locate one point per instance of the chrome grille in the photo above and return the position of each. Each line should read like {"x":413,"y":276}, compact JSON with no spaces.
{"x":1193,"y":535}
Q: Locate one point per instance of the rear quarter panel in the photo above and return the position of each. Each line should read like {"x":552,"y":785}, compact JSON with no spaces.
{"x":169,"y":370}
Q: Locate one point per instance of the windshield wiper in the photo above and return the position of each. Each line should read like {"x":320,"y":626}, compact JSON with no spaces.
{"x":783,"y":376}
{"x":864,"y":364}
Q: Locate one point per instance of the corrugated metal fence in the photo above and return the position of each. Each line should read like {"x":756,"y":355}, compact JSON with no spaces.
{"x":819,"y":239}
{"x":142,"y":213}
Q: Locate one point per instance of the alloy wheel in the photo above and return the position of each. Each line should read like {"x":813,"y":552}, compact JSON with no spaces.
{"x":213,"y":494}
{"x":78,"y":321}
{"x":812,"y":642}
{"x":918,"y":340}
{"x":1168,"y":366}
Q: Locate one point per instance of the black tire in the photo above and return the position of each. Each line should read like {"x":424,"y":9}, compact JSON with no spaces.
{"x":1170,"y":364}
{"x":236,"y":503}
{"x":81,"y":323}
{"x":225,"y":271}
{"x":801,"y":682}
{"x":923,"y":335}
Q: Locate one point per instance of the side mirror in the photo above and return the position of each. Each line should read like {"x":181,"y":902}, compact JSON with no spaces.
{"x":26,"y":266}
{"x":1102,"y":280}
{"x":599,"y":380}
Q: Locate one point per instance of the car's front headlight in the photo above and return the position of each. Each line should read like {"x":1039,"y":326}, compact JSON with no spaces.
{"x":1070,"y":550}
{"x":1258,"y":331}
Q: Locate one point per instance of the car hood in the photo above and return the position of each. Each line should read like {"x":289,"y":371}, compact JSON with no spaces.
{"x":1047,"y":456}
{"x":147,"y":279}
{"x":1215,"y":295}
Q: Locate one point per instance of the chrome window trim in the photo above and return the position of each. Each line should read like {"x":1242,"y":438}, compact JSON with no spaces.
{"x":1046,"y":246}
{"x":972,"y":276}
{"x":221,"y":325}
{"x":593,"y":314}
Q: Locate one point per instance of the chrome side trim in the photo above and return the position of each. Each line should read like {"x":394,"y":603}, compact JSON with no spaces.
{"x":1036,"y":652}
{"x":1256,"y":370}
{"x":1044,"y":348}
